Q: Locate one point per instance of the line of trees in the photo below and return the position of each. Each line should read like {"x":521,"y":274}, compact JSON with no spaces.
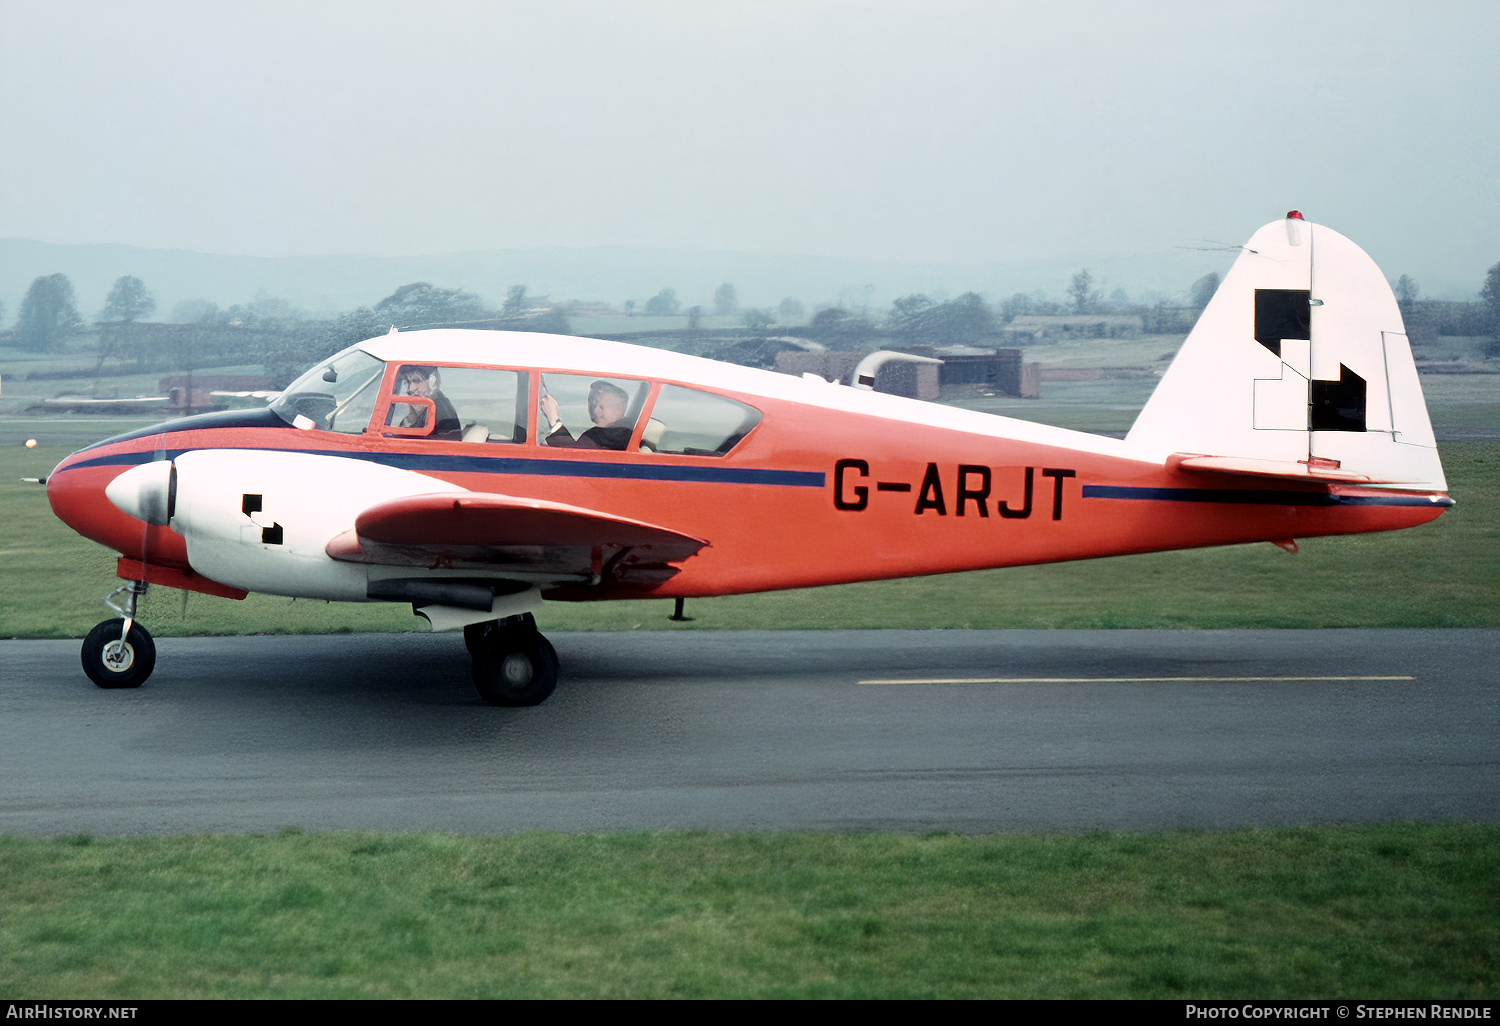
{"x":267,"y":329}
{"x":49,"y":315}
{"x":50,"y":312}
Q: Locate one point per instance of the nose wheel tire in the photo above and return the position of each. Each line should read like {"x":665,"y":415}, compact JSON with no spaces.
{"x":113,"y":663}
{"x":514,"y":666}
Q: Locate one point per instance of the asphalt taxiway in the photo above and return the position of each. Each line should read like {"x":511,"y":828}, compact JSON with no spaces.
{"x":982,"y":731}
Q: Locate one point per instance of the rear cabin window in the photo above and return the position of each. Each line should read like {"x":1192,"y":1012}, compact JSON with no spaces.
{"x":692,"y":423}
{"x":580,"y":411}
{"x":473,"y":404}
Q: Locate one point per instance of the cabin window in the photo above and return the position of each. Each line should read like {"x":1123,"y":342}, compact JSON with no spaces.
{"x":471,"y":404}
{"x":694,"y":423}
{"x":581,"y":411}
{"x":338,"y":395}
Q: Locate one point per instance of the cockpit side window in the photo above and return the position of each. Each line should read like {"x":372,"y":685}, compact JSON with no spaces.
{"x":492,"y":404}
{"x":694,"y":423}
{"x":470,"y":404}
{"x":577,"y":411}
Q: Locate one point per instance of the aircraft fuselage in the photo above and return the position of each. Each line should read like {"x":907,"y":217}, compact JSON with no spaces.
{"x":831,"y":485}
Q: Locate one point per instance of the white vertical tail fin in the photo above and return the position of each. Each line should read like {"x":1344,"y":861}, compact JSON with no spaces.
{"x":1300,"y":358}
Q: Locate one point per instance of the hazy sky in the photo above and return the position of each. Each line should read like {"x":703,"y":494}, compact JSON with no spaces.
{"x":956,"y":132}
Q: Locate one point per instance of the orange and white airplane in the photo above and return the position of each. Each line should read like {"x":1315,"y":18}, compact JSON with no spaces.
{"x":476,"y":474}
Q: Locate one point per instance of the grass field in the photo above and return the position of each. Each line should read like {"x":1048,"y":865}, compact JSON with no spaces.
{"x":1395,"y":911}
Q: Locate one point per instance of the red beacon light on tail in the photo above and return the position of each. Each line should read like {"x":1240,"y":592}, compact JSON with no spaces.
{"x":1294,"y":222}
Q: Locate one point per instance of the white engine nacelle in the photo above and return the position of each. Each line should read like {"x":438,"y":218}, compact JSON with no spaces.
{"x":261,"y":520}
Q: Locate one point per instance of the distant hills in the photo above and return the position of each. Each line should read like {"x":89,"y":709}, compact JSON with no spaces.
{"x":326,"y":285}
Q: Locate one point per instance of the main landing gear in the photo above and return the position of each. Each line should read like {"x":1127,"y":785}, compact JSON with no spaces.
{"x":513,"y":663}
{"x":120,"y":653}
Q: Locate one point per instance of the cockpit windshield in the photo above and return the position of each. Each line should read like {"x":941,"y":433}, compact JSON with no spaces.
{"x":337,"y":395}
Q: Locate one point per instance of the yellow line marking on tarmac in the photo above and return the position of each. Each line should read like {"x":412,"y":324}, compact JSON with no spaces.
{"x":1113,"y":680}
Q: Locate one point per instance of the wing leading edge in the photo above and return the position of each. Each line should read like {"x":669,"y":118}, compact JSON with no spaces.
{"x":529,"y":537}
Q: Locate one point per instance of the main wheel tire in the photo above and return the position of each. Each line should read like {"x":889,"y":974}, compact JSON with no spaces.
{"x":476,"y":633}
{"x":112,"y":663}
{"x":515,"y":667}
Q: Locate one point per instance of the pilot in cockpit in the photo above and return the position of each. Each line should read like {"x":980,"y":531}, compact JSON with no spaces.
{"x":607,"y":405}
{"x":423,"y":381}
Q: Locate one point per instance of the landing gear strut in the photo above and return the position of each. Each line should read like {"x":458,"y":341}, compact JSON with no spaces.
{"x":120,"y":653}
{"x":513,"y":663}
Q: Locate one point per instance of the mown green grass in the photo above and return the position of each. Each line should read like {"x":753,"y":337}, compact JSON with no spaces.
{"x":1444,"y":574}
{"x":1393,"y":911}
{"x":1464,"y":404}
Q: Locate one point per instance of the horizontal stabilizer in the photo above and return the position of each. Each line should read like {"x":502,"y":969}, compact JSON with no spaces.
{"x":1303,"y":470}
{"x":530,"y":537}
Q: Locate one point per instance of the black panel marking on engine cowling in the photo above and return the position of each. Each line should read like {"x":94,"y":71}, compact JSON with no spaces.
{"x":253,"y":504}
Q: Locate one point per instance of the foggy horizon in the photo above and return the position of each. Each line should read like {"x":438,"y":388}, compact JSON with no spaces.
{"x":959,"y":133}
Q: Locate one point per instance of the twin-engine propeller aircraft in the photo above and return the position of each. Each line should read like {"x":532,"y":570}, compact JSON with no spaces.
{"x":476,"y":474}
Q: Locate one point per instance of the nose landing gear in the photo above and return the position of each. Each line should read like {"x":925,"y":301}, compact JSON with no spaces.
{"x":120,"y":653}
{"x":513,"y":663}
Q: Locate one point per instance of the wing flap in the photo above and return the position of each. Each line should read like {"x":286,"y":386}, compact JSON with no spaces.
{"x":530,"y":537}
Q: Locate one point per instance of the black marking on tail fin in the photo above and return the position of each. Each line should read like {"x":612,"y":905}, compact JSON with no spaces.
{"x":249,"y":504}
{"x":1337,"y":405}
{"x":1282,"y":313}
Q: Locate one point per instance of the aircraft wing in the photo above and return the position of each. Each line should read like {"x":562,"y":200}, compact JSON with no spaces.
{"x":530,"y":537}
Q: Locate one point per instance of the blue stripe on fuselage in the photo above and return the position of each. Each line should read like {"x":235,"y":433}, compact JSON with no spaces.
{"x":453,"y":463}
{"x":1256,"y":498}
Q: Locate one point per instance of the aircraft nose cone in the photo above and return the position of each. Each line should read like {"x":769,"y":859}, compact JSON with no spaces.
{"x":145,"y":492}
